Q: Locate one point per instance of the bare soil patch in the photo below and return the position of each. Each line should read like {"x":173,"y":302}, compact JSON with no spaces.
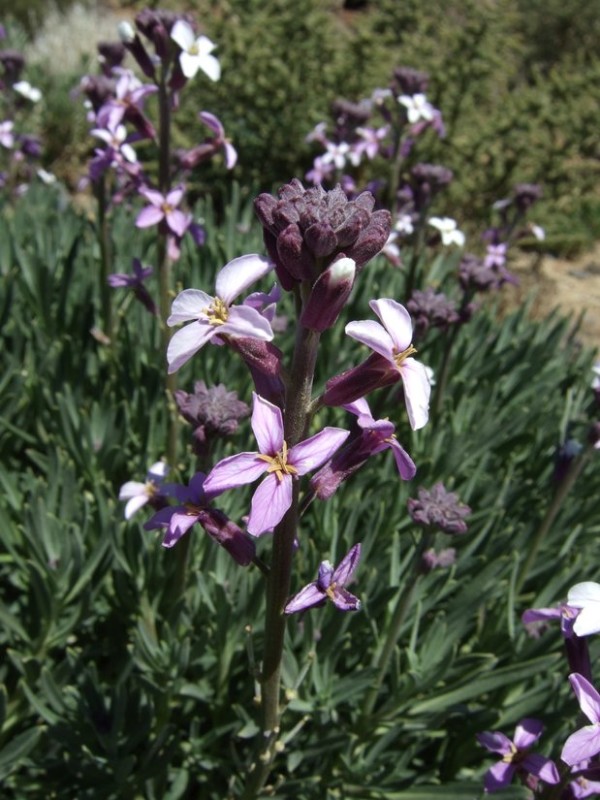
{"x":573,"y":286}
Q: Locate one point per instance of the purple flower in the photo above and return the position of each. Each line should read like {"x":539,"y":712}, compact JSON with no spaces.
{"x":583,"y":783}
{"x":215,"y":316}
{"x":516,"y":757}
{"x":391,"y":340}
{"x":373,"y":436}
{"x":215,"y":125}
{"x":163,"y":207}
{"x":139,"y":494}
{"x":439,"y":508}
{"x":127,"y":104}
{"x":371,"y":140}
{"x":273,"y":497}
{"x":213,"y":411}
{"x":116,"y":139}
{"x":195,"y":507}
{"x":136,"y":282}
{"x":330,"y":584}
{"x":584,"y":743}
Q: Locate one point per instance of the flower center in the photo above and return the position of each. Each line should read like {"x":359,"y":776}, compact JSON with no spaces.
{"x":218,"y":312}
{"x":278,"y":463}
{"x":514,"y":756}
{"x":399,"y":357}
{"x":329,"y":591}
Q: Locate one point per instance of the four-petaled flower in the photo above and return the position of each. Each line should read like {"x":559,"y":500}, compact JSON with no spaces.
{"x":139,"y":494}
{"x":393,"y":340}
{"x":215,"y":316}
{"x":163,"y":207}
{"x":196,"y":52}
{"x":448,"y":230}
{"x":584,"y":743}
{"x":273,"y":496}
{"x":516,"y":756}
{"x":116,"y":139}
{"x":417,"y":107}
{"x":330,"y":585}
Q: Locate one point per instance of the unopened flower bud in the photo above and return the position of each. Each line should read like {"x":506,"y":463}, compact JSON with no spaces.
{"x":372,"y":239}
{"x":126,"y":32}
{"x":329,"y":295}
{"x":294,"y":254}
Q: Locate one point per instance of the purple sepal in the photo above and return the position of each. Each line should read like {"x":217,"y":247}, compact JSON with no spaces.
{"x":329,"y":295}
{"x":374,"y":373}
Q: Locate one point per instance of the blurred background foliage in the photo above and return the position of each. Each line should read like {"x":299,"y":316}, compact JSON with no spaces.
{"x":518,"y":84}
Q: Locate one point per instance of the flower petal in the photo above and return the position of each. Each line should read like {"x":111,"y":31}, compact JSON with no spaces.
{"x":212,"y":122}
{"x":344,"y":600}
{"x":152,"y":196}
{"x":186,"y":343}
{"x":309,"y":597}
{"x":190,"y":64}
{"x":372,"y":334}
{"x":588,"y":697}
{"x":191,"y":304}
{"x":150,"y":215}
{"x":132,"y":489}
{"x":498,"y":776}
{"x":495,"y":742}
{"x":347,"y":567}
{"x":135,"y":504}
{"x":231,"y":155}
{"x":239,"y":274}
{"x":177,"y":221}
{"x":247,"y":321}
{"x":210,"y":66}
{"x":313,"y":452}
{"x":584,"y":743}
{"x":180,"y":523}
{"x":527,"y":732}
{"x":234,"y":471}
{"x":543,"y":767}
{"x":417,"y":391}
{"x":183,"y":34}
{"x":267,"y":425}
{"x":588,"y":620}
{"x":406,"y":466}
{"x":271,"y":500}
{"x":396,"y":320}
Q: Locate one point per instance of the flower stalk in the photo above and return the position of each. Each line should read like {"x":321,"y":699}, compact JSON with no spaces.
{"x":279,"y":580}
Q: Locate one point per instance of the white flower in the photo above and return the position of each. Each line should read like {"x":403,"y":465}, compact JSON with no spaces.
{"x":46,"y":177}
{"x":417,"y":107}
{"x":404,"y":224}
{"x":538,"y":232}
{"x":25,"y":89}
{"x":585,"y":596}
{"x":448,"y":230}
{"x":596,"y":378}
{"x":196,"y":52}
{"x":117,"y":140}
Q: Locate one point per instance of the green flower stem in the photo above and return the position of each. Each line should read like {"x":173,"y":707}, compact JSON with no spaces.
{"x":104,"y":244}
{"x":381,"y":661}
{"x":278,"y":584}
{"x":562,"y":491}
{"x":164,"y":266}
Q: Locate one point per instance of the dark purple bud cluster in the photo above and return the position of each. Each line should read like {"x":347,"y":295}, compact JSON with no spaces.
{"x":406,"y":80}
{"x":306,"y":230}
{"x":426,"y":181}
{"x":525,"y":195}
{"x":439,"y":508}
{"x":431,"y":309}
{"x":12,"y":62}
{"x":213,"y":411}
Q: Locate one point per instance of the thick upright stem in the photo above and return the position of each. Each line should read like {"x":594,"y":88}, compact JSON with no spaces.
{"x":164,"y":262}
{"x":105,"y":257}
{"x":278,"y":585}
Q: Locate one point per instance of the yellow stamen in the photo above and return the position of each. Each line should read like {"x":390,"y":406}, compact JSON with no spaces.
{"x":278,"y":463}
{"x":218,"y":312}
{"x":329,"y":591}
{"x":399,"y":357}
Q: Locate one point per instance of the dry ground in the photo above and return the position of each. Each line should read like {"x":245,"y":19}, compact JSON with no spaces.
{"x":573,"y":286}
